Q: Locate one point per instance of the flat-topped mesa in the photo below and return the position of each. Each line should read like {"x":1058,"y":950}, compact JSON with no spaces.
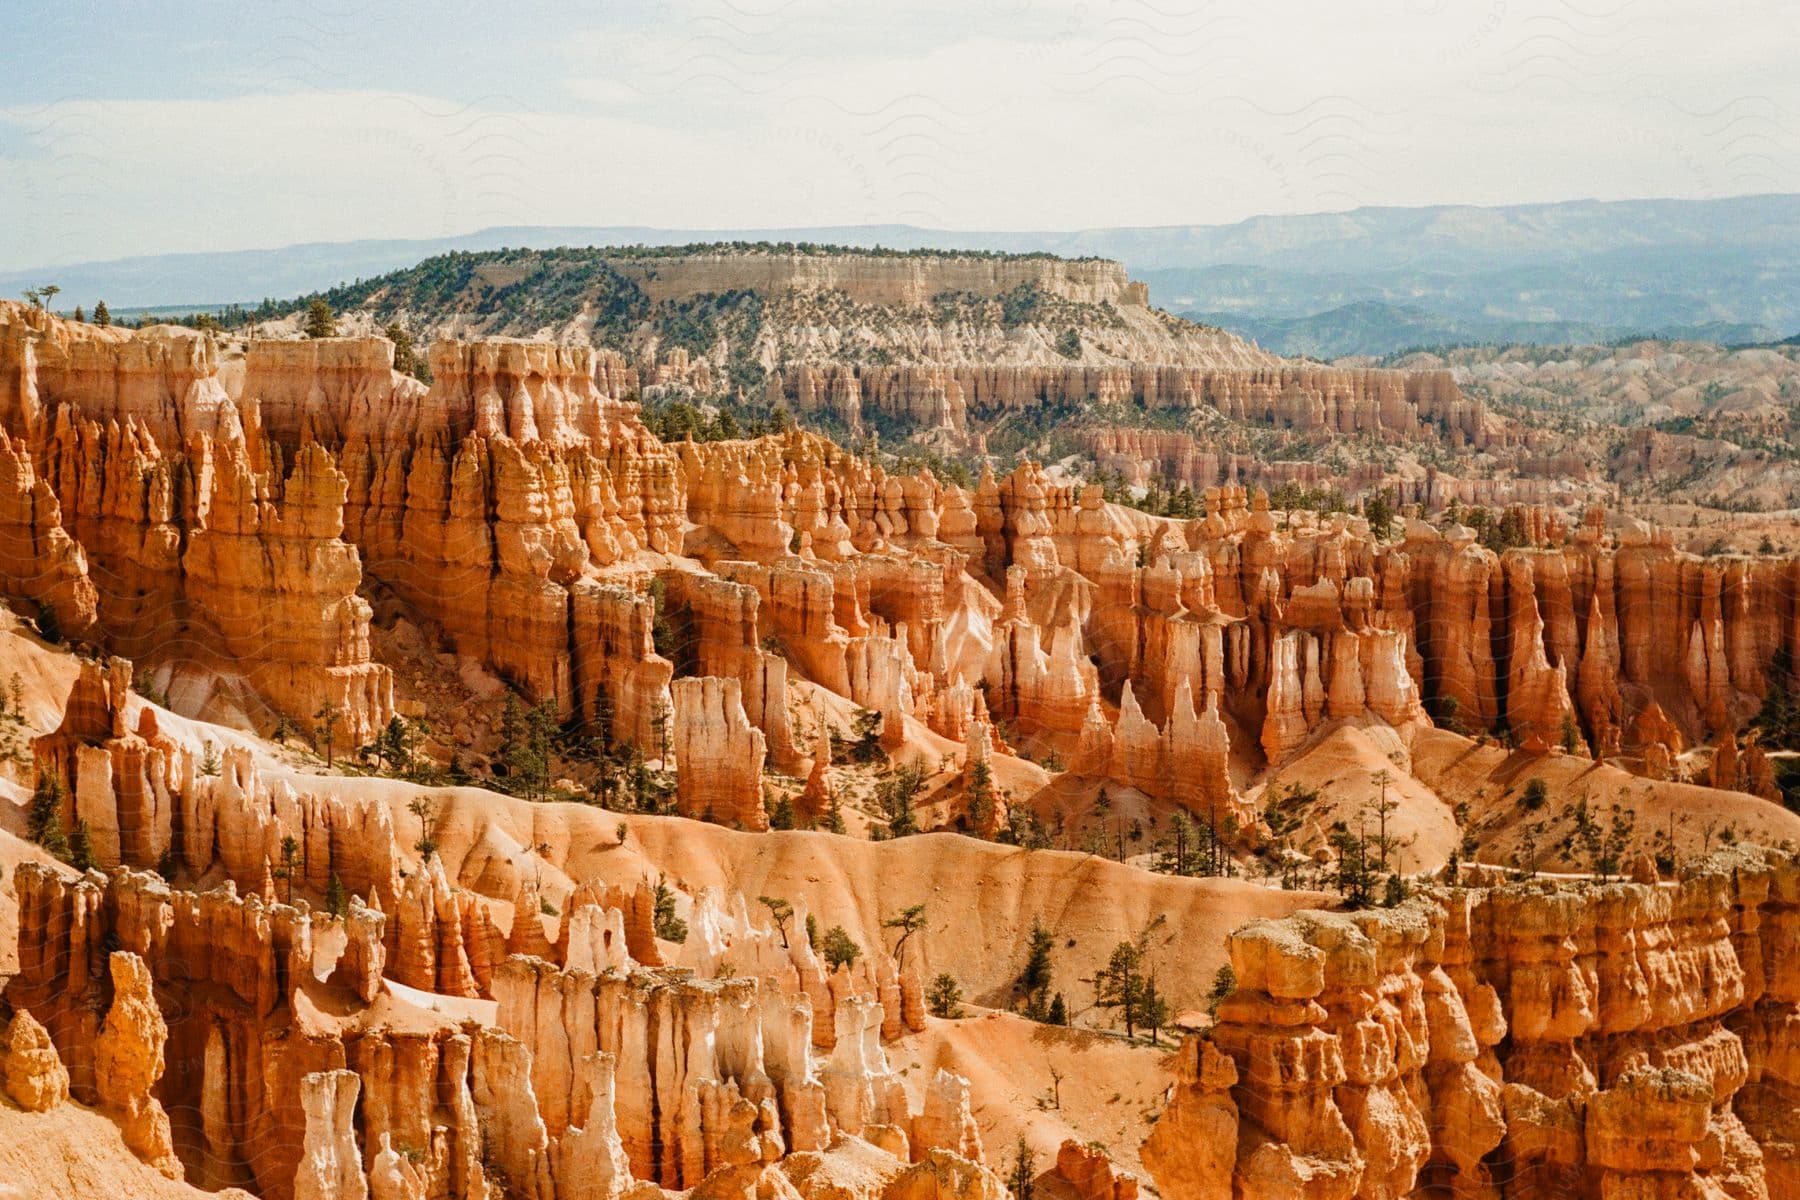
{"x":1386,"y":1052}
{"x":884,"y":279}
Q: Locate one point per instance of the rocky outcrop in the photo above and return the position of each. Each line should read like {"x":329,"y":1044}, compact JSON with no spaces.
{"x":514,"y":502}
{"x":1587,"y":1039}
{"x":38,"y":558}
{"x":1188,"y":761}
{"x":128,"y":1062}
{"x":719,"y":754}
{"x":34,"y":1077}
{"x":122,"y":780}
{"x":127,"y":455}
{"x":278,"y":585}
{"x":330,"y":1162}
{"x":1091,"y":1174}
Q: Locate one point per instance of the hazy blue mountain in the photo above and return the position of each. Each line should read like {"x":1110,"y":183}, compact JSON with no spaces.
{"x":1378,"y":328}
{"x":1540,"y":271}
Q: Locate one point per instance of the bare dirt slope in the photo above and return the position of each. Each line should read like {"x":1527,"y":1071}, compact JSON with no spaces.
{"x":1493,"y":782}
{"x":980,"y":898}
{"x":74,"y":1152}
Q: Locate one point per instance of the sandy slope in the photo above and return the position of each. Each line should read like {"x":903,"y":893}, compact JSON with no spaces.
{"x":75,"y":1153}
{"x":981,"y":898}
{"x":1109,"y":1092}
{"x":1345,"y":767}
{"x":1493,"y":781}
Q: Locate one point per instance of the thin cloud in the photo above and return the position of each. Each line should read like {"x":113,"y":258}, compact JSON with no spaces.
{"x":995,"y":114}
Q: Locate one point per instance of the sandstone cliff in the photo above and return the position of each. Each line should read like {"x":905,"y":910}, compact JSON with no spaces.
{"x":1590,"y":1040}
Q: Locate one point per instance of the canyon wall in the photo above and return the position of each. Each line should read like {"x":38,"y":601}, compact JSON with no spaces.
{"x":1606,"y":1040}
{"x":200,"y":510}
{"x":1412,"y":405}
{"x":604,"y":1070}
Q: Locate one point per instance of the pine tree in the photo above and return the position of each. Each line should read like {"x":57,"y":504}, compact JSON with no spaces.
{"x":781,"y":911}
{"x":1571,"y":735}
{"x":337,"y":897}
{"x":895,"y":793}
{"x":81,"y":847}
{"x":1153,"y":1009}
{"x":102,"y":315}
{"x":80,"y":317}
{"x":1224,"y":983}
{"x":781,"y":816}
{"x":1034,"y":980}
{"x":290,"y":864}
{"x":44,"y":822}
{"x":327,"y":716}
{"x":1059,"y":1011}
{"x":981,"y":795}
{"x":944,"y":997}
{"x":406,"y":357}
{"x":908,"y":921}
{"x":422,"y":808}
{"x":838,"y":949}
{"x":669,"y":927}
{"x":396,"y":743}
{"x":1378,"y":510}
{"x":525,"y":749}
{"x":1024,"y":1173}
{"x":603,"y":720}
{"x":319,"y":322}
{"x":1120,"y":985}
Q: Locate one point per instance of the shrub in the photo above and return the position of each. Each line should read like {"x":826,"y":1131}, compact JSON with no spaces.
{"x":1536,"y":795}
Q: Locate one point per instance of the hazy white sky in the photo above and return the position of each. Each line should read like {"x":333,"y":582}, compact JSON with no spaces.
{"x":210,"y":126}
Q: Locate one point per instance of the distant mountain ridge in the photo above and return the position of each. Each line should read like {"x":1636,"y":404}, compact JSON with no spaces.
{"x":1375,"y":327}
{"x":1534,"y":272}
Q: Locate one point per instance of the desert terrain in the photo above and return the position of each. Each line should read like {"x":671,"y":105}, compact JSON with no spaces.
{"x":797,"y":722}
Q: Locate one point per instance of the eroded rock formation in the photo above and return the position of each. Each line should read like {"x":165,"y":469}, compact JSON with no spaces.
{"x":1618,"y":1039}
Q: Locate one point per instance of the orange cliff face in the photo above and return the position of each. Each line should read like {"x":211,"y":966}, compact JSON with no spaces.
{"x":1594,"y":1040}
{"x":172,"y":504}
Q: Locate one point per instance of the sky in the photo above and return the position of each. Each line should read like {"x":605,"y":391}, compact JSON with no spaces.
{"x":156,"y":127}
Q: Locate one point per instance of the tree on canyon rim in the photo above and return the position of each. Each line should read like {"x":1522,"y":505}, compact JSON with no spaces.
{"x":319,"y":322}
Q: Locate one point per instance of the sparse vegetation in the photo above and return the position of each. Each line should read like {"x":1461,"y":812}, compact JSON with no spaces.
{"x":837,"y":948}
{"x":669,"y":927}
{"x":944,"y":996}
